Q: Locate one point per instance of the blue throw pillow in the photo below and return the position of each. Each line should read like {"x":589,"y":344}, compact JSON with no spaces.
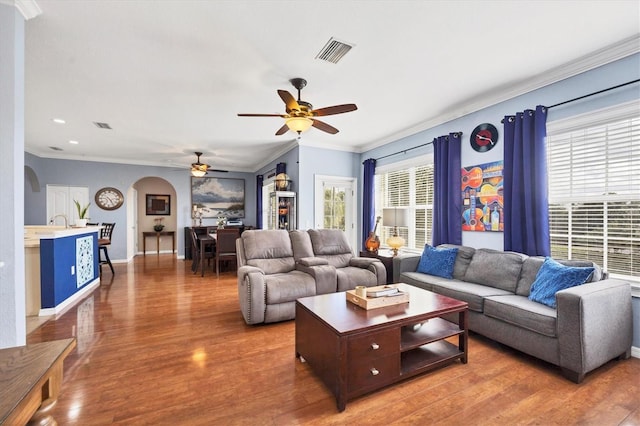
{"x":437,"y":261}
{"x":553,"y":277}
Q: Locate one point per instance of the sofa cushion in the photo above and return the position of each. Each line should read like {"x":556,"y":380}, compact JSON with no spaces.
{"x":288,"y":287}
{"x":473,"y":294}
{"x":532,"y":265}
{"x":332,"y":245}
{"x":437,"y":261}
{"x":463,"y":259}
{"x":553,"y":277}
{"x":495,"y":268}
{"x":269,"y":250}
{"x":301,"y":244}
{"x":415,"y":279}
{"x":522,"y":312}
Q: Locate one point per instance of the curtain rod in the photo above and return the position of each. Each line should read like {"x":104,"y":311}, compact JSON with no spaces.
{"x":404,"y":151}
{"x":594,"y":93}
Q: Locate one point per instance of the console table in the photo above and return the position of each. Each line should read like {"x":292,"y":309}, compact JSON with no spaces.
{"x":30,"y":380}
{"x":158,"y":235}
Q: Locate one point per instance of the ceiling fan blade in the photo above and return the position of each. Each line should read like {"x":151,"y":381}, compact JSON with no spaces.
{"x":288,"y":99}
{"x":282,"y":130}
{"x":262,"y":115}
{"x":332,"y":110}
{"x":218,"y":170}
{"x":320,"y":125}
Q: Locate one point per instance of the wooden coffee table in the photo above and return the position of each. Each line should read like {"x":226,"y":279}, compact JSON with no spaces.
{"x":356,"y":351}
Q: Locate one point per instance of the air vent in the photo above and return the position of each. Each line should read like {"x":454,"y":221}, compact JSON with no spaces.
{"x":334,"y":50}
{"x":102,"y":125}
{"x":55,"y":148}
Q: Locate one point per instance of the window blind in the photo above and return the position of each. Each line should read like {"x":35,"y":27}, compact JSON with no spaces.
{"x":411,"y":187}
{"x":594,"y":192}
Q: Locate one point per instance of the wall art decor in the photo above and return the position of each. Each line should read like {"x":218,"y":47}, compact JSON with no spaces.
{"x":482,"y":197}
{"x":213,"y":197}
{"x":157,"y":204}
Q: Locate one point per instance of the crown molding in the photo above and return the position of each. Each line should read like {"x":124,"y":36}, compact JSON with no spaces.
{"x":29,"y":9}
{"x":614,"y":52}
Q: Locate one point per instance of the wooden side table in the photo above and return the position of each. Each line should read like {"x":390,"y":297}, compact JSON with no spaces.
{"x":386,"y":257}
{"x":157,"y":235}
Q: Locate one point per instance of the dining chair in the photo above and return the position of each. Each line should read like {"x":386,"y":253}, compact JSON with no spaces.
{"x":226,"y":246}
{"x":196,"y":252}
{"x":103,"y":244}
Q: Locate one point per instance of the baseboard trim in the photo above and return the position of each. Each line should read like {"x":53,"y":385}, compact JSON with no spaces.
{"x":635,"y":352}
{"x":71,"y":300}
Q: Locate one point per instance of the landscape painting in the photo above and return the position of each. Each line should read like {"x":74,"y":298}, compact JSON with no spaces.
{"x":217,"y":197}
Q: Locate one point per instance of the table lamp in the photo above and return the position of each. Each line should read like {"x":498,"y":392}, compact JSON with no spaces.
{"x":395,"y":217}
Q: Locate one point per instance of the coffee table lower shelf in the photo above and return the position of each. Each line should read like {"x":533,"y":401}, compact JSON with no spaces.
{"x":354,"y":352}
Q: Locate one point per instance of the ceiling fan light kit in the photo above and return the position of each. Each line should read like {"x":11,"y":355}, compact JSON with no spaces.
{"x":300,"y":115}
{"x":198,"y":169}
{"x":299,"y":124}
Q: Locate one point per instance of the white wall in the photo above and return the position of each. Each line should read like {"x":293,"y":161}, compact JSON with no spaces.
{"x":12,"y":277}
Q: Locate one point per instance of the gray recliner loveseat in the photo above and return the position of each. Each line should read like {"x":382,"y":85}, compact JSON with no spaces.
{"x":276,"y":267}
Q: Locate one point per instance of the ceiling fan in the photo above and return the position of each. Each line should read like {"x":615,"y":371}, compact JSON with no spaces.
{"x":199,"y":169}
{"x":300,"y":115}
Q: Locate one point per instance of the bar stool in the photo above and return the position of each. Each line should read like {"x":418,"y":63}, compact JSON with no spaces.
{"x":103,"y":243}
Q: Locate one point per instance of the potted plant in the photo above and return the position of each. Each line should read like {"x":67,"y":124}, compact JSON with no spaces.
{"x":82,"y":214}
{"x":158,"y":227}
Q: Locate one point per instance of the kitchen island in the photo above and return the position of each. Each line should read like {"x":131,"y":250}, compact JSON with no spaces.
{"x":61,"y":266}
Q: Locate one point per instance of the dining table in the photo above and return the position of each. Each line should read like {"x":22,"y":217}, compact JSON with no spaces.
{"x":205,"y":240}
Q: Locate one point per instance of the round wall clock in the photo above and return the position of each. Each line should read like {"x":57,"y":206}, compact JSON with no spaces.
{"x":109,"y":198}
{"x":484,"y":137}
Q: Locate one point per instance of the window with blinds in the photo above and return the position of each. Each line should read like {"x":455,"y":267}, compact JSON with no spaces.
{"x":594,"y":190}
{"x":410,"y":187}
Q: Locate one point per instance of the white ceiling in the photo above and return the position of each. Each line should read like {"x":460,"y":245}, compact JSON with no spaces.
{"x":170,"y":76}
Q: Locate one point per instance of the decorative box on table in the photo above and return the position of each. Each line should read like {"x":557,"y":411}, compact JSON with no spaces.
{"x":377,"y":302}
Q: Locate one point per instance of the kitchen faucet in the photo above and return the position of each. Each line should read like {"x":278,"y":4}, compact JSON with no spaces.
{"x":66,"y":221}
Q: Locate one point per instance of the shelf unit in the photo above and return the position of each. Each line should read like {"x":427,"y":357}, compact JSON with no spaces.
{"x":282,"y":210}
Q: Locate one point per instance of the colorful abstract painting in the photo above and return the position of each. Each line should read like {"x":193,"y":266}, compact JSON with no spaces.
{"x":482,"y":197}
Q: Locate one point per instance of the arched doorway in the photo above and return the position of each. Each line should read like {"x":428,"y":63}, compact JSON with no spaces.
{"x":140,"y":219}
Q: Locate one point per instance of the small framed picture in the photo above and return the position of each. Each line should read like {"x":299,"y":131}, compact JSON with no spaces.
{"x":158,"y":204}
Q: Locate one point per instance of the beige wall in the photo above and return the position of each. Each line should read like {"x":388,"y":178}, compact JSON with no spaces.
{"x":154,"y":185}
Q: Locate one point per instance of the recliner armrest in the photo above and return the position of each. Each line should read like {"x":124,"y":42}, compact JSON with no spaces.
{"x":372,"y":264}
{"x":252,"y":294}
{"x":324,"y":276}
{"x":313,"y":261}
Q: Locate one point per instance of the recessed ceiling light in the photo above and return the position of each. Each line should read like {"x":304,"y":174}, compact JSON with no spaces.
{"x":74,"y":142}
{"x":58,"y":120}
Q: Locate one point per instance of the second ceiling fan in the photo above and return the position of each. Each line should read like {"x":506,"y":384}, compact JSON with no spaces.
{"x":300,"y":115}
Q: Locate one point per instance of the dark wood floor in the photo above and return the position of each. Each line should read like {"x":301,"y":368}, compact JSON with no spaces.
{"x":158,"y":345}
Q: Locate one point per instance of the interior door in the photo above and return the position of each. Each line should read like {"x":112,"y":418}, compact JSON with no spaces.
{"x":334,"y":205}
{"x":60,"y":202}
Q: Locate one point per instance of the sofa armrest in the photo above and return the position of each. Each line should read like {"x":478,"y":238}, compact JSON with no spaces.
{"x":595,"y":325}
{"x":313,"y":261}
{"x":252,"y":294}
{"x":324,"y":276}
{"x":372,"y":264}
{"x":404,"y":263}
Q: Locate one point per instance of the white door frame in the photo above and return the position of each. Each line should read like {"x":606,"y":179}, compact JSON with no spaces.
{"x":132,"y":222}
{"x":320,"y":181}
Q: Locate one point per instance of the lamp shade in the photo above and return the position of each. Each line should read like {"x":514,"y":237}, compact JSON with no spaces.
{"x":395,"y":216}
{"x":299,"y":124}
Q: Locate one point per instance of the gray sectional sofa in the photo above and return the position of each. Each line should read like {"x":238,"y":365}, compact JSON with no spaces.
{"x":590,"y":325}
{"x":276,"y":267}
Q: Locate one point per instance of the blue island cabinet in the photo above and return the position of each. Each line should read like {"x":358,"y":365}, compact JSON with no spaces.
{"x":69,"y":267}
